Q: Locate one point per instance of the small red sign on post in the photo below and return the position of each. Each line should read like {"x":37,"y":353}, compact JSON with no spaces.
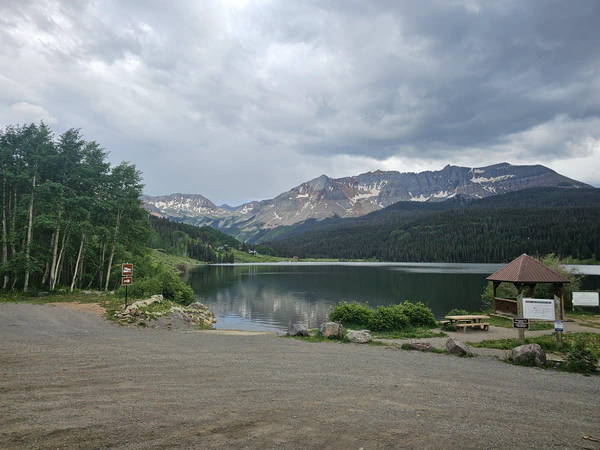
{"x":126,"y":269}
{"x":126,"y":281}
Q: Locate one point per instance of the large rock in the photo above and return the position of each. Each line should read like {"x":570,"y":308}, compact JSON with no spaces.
{"x":359,"y":337}
{"x":457,"y":347}
{"x":529,"y":354}
{"x":197,"y":305}
{"x":332,"y":330}
{"x":297,"y":329}
{"x":420,"y":346}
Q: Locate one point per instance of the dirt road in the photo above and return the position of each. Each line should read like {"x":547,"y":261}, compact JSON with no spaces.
{"x":69,"y":379}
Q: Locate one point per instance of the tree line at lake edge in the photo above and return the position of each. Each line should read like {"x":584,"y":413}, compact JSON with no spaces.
{"x":69,"y":219}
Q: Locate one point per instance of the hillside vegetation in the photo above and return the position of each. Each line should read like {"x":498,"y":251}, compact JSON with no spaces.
{"x":536,"y":221}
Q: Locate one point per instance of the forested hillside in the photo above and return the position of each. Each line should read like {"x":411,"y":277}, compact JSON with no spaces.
{"x":495,"y":229}
{"x":201,"y":243}
{"x":68,"y":217}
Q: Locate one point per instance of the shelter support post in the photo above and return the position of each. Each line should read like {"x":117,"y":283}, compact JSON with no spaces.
{"x":560,"y":311}
{"x":520,"y":310}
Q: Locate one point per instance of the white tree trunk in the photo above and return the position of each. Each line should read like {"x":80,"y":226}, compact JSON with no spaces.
{"x":78,"y":261}
{"x":29,"y":233}
{"x":112,"y":251}
{"x":55,"y":253}
{"x":59,"y":261}
{"x":4,"y":231}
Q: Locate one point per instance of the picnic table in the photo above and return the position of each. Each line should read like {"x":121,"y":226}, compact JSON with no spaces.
{"x":464,"y":322}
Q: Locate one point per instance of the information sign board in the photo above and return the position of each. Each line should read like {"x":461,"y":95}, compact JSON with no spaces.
{"x":585,"y":299}
{"x":126,"y":269}
{"x":520,"y":323}
{"x":559,"y":326}
{"x":538,"y":308}
{"x":126,"y":281}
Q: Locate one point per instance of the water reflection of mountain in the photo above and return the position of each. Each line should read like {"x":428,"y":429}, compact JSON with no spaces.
{"x":278,"y":294}
{"x":270,"y":296}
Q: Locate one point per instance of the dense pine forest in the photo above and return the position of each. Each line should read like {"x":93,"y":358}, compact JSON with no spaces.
{"x":202,"y":243}
{"x":496,"y":229}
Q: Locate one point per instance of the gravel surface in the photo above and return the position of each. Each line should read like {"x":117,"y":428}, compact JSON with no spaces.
{"x":70,"y":379}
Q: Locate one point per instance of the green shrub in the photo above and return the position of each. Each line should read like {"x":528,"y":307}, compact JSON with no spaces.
{"x":163,"y":281}
{"x":352,"y":313}
{"x":389,"y":318}
{"x":419,"y":315}
{"x":384,"y":318}
{"x":581,"y":358}
{"x":458,"y":312}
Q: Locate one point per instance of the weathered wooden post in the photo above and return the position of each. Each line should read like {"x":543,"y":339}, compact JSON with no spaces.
{"x":559,"y":309}
{"x":520,"y":310}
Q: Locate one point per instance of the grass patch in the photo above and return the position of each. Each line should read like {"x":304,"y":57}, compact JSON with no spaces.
{"x":245,"y":257}
{"x":179,"y":264}
{"x":585,"y":318}
{"x":411,"y":333}
{"x":547,"y":342}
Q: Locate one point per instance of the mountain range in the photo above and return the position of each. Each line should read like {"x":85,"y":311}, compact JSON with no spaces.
{"x":355,"y":196}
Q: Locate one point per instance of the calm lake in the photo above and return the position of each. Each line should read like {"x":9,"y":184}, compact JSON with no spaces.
{"x":266,"y":297}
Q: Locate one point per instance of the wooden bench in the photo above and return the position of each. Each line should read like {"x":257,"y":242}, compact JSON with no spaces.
{"x":444,"y":322}
{"x":464,"y":326}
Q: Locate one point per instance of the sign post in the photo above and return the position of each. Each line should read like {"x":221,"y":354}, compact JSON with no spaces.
{"x":126,"y":277}
{"x":520,"y":323}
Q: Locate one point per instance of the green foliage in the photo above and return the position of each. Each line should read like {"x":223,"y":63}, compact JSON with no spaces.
{"x":69,"y":216}
{"x":389,"y":318}
{"x":408,"y":333}
{"x":547,"y":342}
{"x":201,"y":243}
{"x":266,"y":250}
{"x":545,"y":290}
{"x":581,"y":358}
{"x":535,"y":221}
{"x":458,"y":312}
{"x":159,"y":279}
{"x":352,"y":313}
{"x":384,"y":318}
{"x":418,"y":314}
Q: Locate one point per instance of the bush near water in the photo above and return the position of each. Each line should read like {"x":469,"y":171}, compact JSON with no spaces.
{"x":383,"y":318}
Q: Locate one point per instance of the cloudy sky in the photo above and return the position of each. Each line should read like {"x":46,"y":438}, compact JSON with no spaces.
{"x":241,"y":100}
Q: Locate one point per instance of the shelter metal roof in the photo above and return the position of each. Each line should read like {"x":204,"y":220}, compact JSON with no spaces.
{"x":526,"y":269}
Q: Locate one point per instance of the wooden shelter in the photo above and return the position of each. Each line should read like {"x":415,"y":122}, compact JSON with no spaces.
{"x":525,"y":271}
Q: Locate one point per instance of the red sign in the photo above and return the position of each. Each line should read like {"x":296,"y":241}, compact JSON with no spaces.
{"x":126,"y":269}
{"x":126,"y":281}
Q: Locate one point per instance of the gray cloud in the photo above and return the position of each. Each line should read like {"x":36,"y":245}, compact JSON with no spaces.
{"x":244,"y":99}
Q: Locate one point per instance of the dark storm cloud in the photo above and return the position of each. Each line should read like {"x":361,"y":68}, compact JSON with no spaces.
{"x":282,"y":91}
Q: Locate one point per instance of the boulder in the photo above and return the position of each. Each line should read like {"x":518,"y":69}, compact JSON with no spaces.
{"x":529,"y":354}
{"x":420,"y":346}
{"x":359,"y":337}
{"x":332,"y":330}
{"x":197,"y":305}
{"x":456,"y":347}
{"x":297,"y":329}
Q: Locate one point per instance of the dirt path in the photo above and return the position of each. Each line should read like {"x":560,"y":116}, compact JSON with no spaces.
{"x":93,"y":308}
{"x":70,"y":379}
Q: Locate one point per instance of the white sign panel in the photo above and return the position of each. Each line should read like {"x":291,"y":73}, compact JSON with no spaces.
{"x":538,"y":308}
{"x":585,"y":298}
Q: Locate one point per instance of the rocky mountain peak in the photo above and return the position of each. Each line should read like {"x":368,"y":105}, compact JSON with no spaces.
{"x":324,"y":197}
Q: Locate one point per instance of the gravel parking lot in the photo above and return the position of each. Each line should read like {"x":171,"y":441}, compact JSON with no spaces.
{"x":70,"y":379}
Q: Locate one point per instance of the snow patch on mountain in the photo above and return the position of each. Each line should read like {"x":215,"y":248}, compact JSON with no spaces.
{"x":491,"y":180}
